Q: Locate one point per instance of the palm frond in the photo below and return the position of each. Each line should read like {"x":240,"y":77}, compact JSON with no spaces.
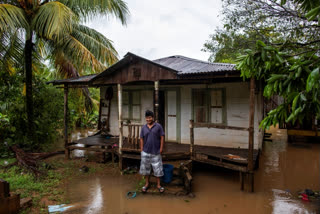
{"x":11,"y":18}
{"x":101,"y":47}
{"x":79,"y":54}
{"x":87,"y":9}
{"x":11,"y":51}
{"x":53,"y":20}
{"x":63,"y":65}
{"x":67,"y":70}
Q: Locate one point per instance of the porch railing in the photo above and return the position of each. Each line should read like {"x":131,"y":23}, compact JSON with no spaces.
{"x":133,"y":138}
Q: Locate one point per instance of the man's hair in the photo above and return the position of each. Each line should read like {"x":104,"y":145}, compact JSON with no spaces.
{"x":149,"y":113}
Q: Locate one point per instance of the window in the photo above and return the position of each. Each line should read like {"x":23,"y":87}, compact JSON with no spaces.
{"x":131,"y":105}
{"x":209,"y":106}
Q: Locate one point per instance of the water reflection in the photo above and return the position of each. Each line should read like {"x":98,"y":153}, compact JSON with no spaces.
{"x":96,"y":199}
{"x":78,"y":134}
{"x":283,"y":203}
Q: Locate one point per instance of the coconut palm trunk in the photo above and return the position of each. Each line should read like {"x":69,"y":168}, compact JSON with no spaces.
{"x":28,"y":79}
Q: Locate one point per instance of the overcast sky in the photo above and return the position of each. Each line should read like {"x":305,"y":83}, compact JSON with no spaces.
{"x":160,"y":28}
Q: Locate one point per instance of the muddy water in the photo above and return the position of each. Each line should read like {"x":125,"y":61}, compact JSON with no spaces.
{"x":284,"y":170}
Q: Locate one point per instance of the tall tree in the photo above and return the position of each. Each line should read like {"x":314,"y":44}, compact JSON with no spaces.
{"x":272,"y":21}
{"x":32,"y":29}
{"x":290,"y":68}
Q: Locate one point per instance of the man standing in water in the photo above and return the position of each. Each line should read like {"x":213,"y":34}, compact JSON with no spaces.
{"x":151,"y":144}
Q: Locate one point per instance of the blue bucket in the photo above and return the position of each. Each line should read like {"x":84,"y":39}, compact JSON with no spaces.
{"x":168,"y":172}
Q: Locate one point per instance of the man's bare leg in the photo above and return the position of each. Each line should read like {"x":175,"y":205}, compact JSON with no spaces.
{"x":147,"y":180}
{"x":158,"y":182}
{"x":160,"y":188}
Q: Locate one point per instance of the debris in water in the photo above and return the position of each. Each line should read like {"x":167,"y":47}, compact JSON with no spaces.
{"x":235,"y":157}
{"x":130,"y":170}
{"x":309,"y":192}
{"x":131,"y":194}
{"x":58,"y":208}
{"x":84,"y":169}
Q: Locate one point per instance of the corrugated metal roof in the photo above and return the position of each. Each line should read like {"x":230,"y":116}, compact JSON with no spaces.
{"x":184,"y":65}
{"x":180,"y":64}
{"x":74,"y":80}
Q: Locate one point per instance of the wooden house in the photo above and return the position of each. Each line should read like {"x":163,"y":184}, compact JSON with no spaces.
{"x":208,"y":112}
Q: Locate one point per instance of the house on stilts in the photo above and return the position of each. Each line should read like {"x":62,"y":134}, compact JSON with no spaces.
{"x":208,"y":112}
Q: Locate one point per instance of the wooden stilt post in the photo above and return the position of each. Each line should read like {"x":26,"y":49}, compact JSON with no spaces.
{"x":241,"y":181}
{"x":191,"y":139}
{"x":251,"y":136}
{"x":120,"y":124}
{"x":156,"y":101}
{"x":99,"y":119}
{"x":66,"y":144}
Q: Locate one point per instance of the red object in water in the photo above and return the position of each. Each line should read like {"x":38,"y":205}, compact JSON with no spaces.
{"x":304,"y":197}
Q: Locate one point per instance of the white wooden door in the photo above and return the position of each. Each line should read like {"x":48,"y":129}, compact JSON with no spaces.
{"x":171,"y":116}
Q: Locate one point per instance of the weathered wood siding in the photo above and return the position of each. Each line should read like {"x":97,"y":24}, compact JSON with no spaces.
{"x":140,"y":71}
{"x":237,"y":114}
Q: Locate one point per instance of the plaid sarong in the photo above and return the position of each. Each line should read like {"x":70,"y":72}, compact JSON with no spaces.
{"x":148,"y":160}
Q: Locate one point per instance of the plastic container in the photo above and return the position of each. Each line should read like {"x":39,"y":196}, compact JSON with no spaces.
{"x":168,"y":173}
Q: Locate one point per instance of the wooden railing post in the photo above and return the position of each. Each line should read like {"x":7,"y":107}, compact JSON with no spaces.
{"x":137,"y":137}
{"x":120,"y":124}
{"x":66,"y":143}
{"x":156,"y":101}
{"x":191,"y":138}
{"x":251,"y":136}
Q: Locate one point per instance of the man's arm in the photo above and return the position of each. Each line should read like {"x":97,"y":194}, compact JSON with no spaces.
{"x":141,"y":144}
{"x":161,"y":143}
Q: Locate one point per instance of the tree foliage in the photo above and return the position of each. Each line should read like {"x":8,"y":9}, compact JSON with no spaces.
{"x":278,"y":42}
{"x":34,"y":30}
{"x":275,"y":22}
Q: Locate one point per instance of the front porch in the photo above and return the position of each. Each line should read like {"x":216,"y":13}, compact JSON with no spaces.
{"x":229,"y":158}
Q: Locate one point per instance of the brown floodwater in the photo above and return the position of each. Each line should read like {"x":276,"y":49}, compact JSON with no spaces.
{"x":285,"y":169}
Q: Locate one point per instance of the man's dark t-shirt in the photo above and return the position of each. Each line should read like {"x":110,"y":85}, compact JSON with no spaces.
{"x":151,"y":138}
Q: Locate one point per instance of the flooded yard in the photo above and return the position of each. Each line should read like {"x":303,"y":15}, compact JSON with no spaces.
{"x":285,"y":169}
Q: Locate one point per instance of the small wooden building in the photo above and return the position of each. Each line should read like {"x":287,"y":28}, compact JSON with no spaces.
{"x":206,"y":109}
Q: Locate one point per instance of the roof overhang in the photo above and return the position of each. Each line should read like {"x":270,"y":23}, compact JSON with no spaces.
{"x":134,"y":68}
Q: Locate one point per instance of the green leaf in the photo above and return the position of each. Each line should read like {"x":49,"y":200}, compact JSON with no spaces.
{"x":312,"y":14}
{"x":269,"y":48}
{"x":275,"y":77}
{"x":313,"y":79}
{"x":299,"y":72}
{"x":260,"y":43}
{"x":267,"y":92}
{"x":291,"y":116}
{"x":275,"y":86}
{"x":279,"y":58}
{"x":263,"y":55}
{"x":294,"y":103}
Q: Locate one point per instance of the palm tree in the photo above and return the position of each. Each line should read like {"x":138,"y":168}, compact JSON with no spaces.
{"x":33,"y":29}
